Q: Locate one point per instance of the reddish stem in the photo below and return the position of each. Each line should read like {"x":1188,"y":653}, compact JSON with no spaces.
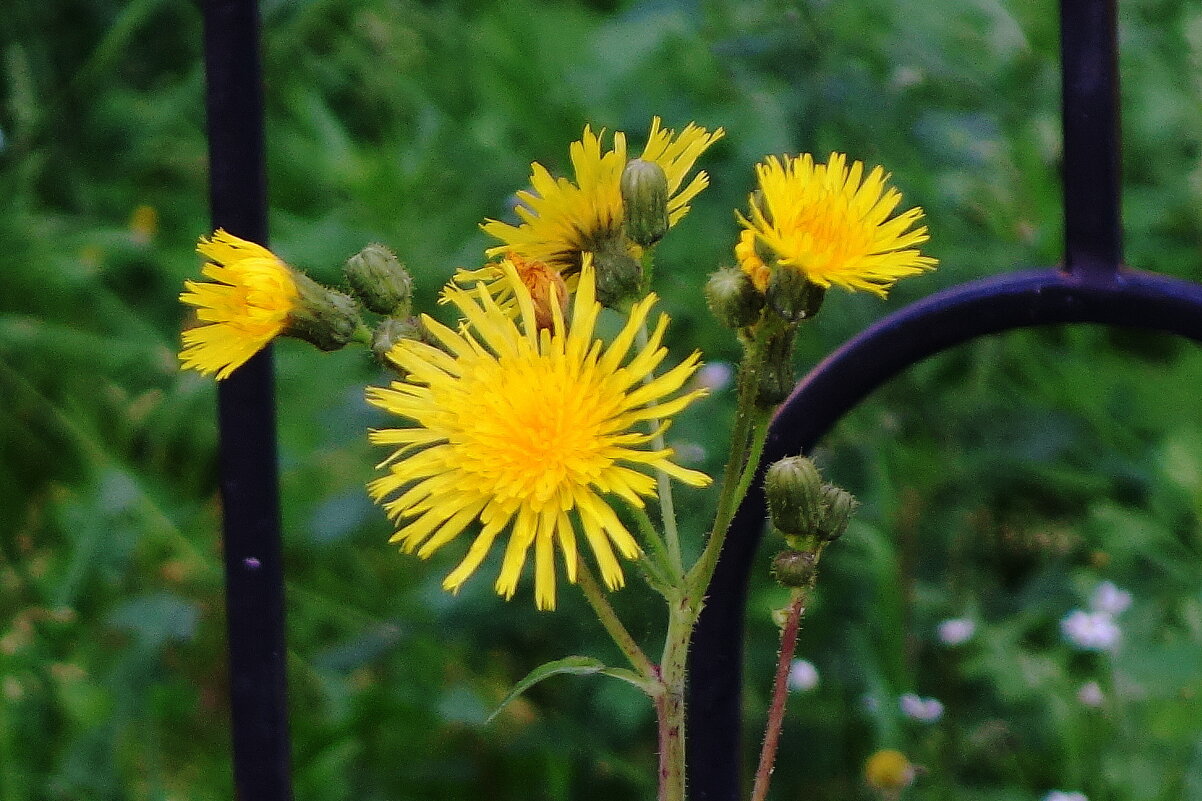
{"x":668,"y":708}
{"x":780,"y":691}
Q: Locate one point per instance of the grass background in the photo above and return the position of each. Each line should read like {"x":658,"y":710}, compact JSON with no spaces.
{"x":1001,"y":481}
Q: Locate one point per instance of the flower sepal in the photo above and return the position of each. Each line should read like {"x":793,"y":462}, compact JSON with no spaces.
{"x":619,"y":275}
{"x":792,"y":296}
{"x":321,"y":316}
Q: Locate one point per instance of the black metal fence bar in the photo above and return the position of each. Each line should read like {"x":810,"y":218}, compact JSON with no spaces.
{"x":249,"y":477}
{"x":1092,"y":194}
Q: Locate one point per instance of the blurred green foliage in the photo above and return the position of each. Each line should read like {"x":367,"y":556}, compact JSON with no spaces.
{"x":1001,"y":481}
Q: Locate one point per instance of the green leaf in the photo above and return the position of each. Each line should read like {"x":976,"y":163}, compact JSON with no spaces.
{"x":575,"y":666}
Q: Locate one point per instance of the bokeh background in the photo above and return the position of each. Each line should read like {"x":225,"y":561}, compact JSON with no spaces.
{"x":1002,"y":482}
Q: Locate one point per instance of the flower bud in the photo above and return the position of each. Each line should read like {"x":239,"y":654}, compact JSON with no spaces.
{"x":775,"y":380}
{"x":838,"y":507}
{"x":618,"y":274}
{"x":794,"y":490}
{"x":547,"y":289}
{"x":792,"y":296}
{"x":380,"y":281}
{"x":645,"y":196}
{"x":733,"y":298}
{"x":322,"y":316}
{"x":795,"y":569}
{"x":391,"y":331}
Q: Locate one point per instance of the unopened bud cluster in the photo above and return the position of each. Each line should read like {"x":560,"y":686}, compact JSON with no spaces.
{"x":802,"y":506}
{"x":329,"y":319}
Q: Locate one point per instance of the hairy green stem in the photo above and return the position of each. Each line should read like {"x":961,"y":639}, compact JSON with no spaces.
{"x":663,"y":483}
{"x":747,"y":440}
{"x":655,"y":564}
{"x":670,"y":707}
{"x":609,"y":620}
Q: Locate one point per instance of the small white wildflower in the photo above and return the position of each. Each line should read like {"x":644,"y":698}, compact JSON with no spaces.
{"x":689,"y":452}
{"x":803,"y":676}
{"x":1091,"y":631}
{"x":1060,"y":795}
{"x":956,"y":631}
{"x":1090,"y":694}
{"x":924,"y":710}
{"x":714,"y":376}
{"x":870,"y":703}
{"x":1109,"y":599}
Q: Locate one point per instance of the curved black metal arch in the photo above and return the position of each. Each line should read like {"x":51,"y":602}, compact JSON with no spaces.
{"x":1092,"y":288}
{"x":1041,"y":297}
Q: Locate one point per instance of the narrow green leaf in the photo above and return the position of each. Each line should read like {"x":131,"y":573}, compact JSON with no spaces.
{"x":575,"y":666}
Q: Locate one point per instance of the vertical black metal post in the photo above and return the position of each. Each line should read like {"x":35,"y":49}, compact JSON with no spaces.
{"x":246,"y":414}
{"x":1090,"y":85}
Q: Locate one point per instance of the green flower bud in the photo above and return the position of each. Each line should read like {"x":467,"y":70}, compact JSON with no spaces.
{"x":380,"y":281}
{"x":391,"y":331}
{"x":794,"y":490}
{"x":322,"y":316}
{"x":839,"y":506}
{"x":645,"y":197}
{"x":795,"y":569}
{"x":618,"y":274}
{"x":775,"y":380}
{"x":733,"y":298}
{"x":792,"y":296}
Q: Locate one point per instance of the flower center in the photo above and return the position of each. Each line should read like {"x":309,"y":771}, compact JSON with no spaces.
{"x":532,"y":428}
{"x":824,"y":235}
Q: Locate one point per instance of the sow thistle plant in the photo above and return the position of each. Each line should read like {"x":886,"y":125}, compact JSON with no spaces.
{"x":522,"y":436}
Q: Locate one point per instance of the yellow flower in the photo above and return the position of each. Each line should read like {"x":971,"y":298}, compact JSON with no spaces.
{"x":832,"y":226}
{"x":529,"y":431}
{"x":245,"y":309}
{"x":562,"y":219}
{"x":889,"y":770}
{"x":143,"y":224}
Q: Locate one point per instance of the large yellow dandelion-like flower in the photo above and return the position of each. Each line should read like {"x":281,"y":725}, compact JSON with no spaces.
{"x":245,"y":309}
{"x":527,"y":430}
{"x":832,"y":224}
{"x":562,"y":220}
